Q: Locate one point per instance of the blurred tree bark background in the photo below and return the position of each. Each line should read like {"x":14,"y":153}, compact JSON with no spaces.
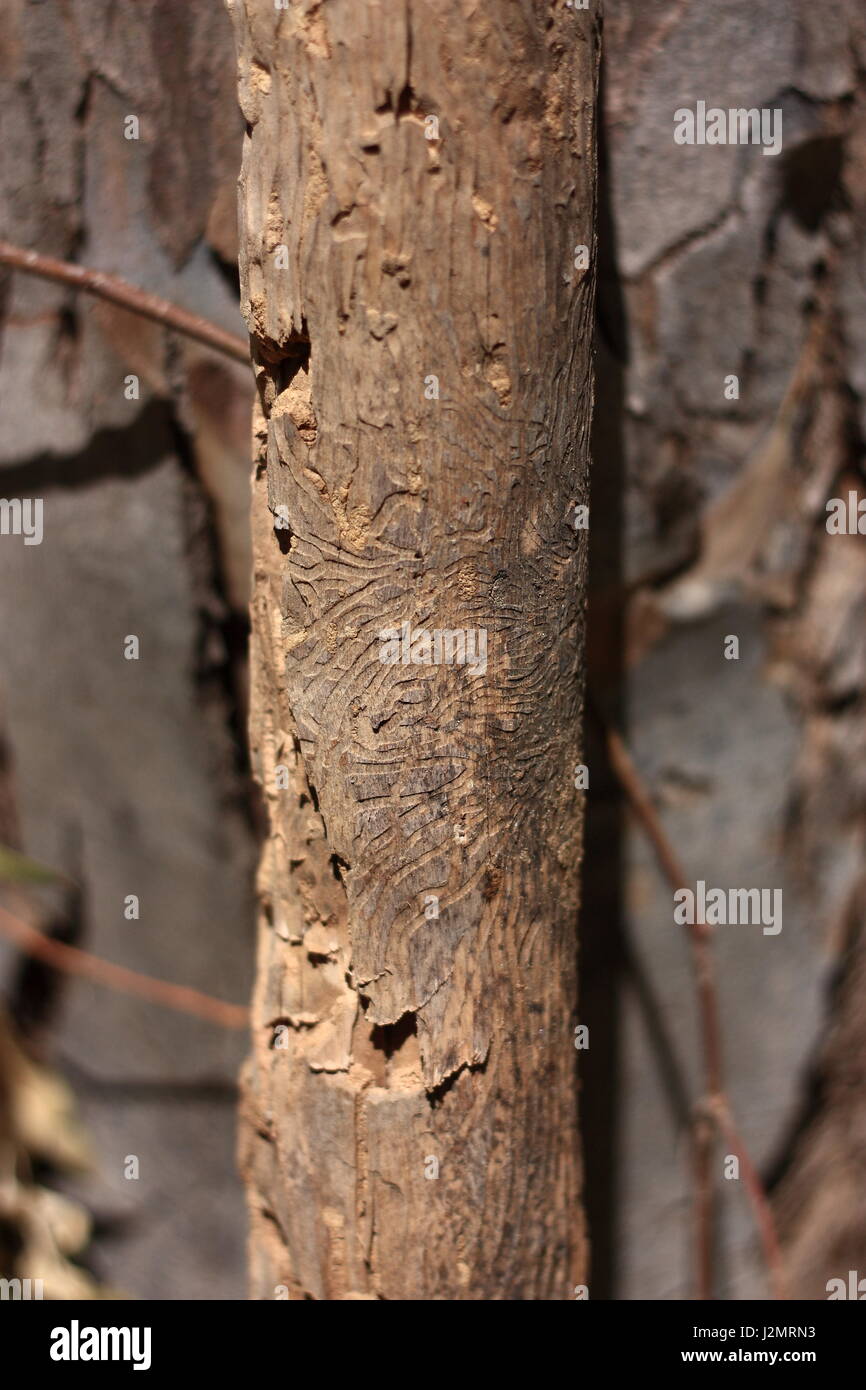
{"x":130,"y":775}
{"x":707,"y":520}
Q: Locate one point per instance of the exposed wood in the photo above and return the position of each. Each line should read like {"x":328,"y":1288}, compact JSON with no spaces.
{"x":414,"y":1042}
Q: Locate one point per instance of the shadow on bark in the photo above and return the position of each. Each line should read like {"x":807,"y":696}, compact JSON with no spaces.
{"x":606,"y":962}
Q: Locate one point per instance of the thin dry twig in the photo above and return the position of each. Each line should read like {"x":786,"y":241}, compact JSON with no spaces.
{"x":761,"y":1207}
{"x":73,"y":961}
{"x":715,"y":1105}
{"x":127,"y":296}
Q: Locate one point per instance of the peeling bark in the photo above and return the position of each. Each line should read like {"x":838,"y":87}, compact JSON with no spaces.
{"x":384,"y":1039}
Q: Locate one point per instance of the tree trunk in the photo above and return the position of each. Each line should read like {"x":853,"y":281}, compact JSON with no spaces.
{"x":421,"y":328}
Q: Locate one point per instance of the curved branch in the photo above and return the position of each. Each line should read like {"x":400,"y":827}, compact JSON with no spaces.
{"x":120,"y":292}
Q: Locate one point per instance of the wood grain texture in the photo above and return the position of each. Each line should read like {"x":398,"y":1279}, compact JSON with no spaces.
{"x":411,"y":1039}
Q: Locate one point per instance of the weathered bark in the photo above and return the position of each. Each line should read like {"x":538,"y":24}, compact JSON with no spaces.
{"x":411,"y":1039}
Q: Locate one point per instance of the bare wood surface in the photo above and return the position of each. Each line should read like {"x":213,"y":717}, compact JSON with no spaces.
{"x":415,"y":1043}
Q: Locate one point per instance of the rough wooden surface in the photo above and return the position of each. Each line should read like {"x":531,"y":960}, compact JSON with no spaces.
{"x":412,"y":1039}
